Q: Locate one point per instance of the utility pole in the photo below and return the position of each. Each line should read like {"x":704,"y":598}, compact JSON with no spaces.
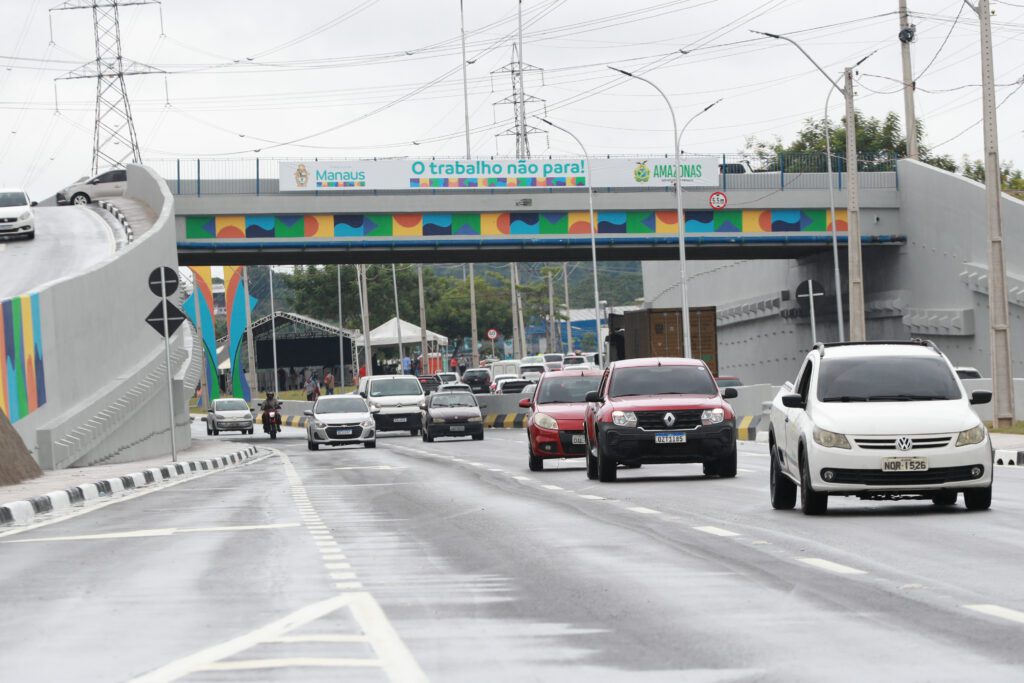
{"x":519,"y":312}
{"x":114,"y":139}
{"x":398,"y":322}
{"x":364,"y":307}
{"x":424,"y":352}
{"x":340,"y":379}
{"x":255,"y":387}
{"x":906,"y":36}
{"x":552,"y":323}
{"x":999,"y":314}
{"x":469,"y":153}
{"x":273,"y":330}
{"x":858,"y":330}
{"x":568,"y":310}
{"x":517,"y":352}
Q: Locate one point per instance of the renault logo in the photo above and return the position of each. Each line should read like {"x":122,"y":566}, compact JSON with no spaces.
{"x":669,"y":419}
{"x":904,"y":443}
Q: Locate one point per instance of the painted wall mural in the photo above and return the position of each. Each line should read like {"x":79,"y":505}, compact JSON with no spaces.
{"x":235,"y":302}
{"x":507,"y":224}
{"x":203,"y":278}
{"x":22,"y":372}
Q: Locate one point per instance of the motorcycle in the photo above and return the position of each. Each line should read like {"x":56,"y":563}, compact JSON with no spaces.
{"x":271,"y":422}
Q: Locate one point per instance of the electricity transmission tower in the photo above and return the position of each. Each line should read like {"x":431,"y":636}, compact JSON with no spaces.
{"x":114,"y":139}
{"x":518,"y":99}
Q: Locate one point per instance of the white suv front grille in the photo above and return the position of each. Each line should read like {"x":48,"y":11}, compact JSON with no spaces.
{"x":889,"y":443}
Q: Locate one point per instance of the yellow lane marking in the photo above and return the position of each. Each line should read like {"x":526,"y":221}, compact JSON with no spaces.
{"x":150,"y":533}
{"x":286,"y":662}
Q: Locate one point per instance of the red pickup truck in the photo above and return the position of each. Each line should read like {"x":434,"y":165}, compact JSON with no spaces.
{"x":659,"y":410}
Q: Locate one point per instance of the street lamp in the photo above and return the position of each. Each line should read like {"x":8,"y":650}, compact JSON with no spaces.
{"x":835,"y":227}
{"x":853,"y":247}
{"x":684,"y":303}
{"x":593,"y":240}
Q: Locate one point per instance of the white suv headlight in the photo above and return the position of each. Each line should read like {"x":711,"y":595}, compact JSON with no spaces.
{"x":368,"y":422}
{"x":546,"y":421}
{"x":317,"y":424}
{"x":712,"y":417}
{"x":25,"y":216}
{"x":971,"y":436}
{"x":623,"y":419}
{"x":828,"y":439}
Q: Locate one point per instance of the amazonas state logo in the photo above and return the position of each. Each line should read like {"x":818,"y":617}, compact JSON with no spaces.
{"x":641,"y":173}
{"x":301,"y":176}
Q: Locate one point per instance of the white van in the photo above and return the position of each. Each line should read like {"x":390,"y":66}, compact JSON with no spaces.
{"x":396,"y":399}
{"x":504,"y":367}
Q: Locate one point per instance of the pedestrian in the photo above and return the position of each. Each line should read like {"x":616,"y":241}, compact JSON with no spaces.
{"x":406,"y":365}
{"x":454,"y":364}
{"x":329,"y":383}
{"x":310,"y":388}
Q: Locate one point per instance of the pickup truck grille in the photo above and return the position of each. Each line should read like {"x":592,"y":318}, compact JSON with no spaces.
{"x":889,"y":443}
{"x":655,"y":419}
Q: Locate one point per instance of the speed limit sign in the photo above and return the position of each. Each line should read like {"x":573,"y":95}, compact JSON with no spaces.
{"x":718,"y":200}
{"x":492,"y":334}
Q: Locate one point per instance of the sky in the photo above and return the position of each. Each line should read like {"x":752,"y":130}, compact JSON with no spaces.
{"x":368,"y":78}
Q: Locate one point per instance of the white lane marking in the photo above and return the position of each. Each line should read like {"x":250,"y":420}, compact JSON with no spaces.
{"x":740,"y":469}
{"x":320,"y":638}
{"x":287,"y":662}
{"x":715,"y":531}
{"x":830,"y":566}
{"x":644,"y":511}
{"x":399,"y":663}
{"x":149,"y":533}
{"x":589,"y":496}
{"x":349,"y":586}
{"x":138,"y":493}
{"x":332,"y":557}
{"x":343,"y":576}
{"x":552,"y":487}
{"x":997,"y":611}
{"x":338,"y":565}
{"x":495,"y":469}
{"x":369,"y":467}
{"x":521,"y":478}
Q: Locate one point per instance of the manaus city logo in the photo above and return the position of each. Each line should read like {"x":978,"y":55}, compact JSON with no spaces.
{"x":641,"y":173}
{"x":301,"y":176}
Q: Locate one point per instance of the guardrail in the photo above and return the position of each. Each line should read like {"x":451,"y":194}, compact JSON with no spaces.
{"x":795,"y":171}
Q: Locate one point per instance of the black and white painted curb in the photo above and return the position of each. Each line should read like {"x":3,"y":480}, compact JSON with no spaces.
{"x":1005,"y":457}
{"x":119,"y":215}
{"x":21,"y":512}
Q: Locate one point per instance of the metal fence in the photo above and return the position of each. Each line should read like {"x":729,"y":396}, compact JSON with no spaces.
{"x":797,"y":171}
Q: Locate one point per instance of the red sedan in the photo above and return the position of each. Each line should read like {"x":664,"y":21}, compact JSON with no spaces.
{"x":555,"y":427}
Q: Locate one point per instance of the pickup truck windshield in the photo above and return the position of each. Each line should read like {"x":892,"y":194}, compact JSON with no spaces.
{"x":662,"y":379}
{"x":341,"y":404}
{"x":398,"y":386}
{"x":892,"y":378}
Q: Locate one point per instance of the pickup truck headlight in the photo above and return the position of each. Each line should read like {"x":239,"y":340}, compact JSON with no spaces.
{"x":828,"y":439}
{"x":712,"y":417}
{"x":623,"y":418}
{"x":546,"y":421}
{"x":971,"y":436}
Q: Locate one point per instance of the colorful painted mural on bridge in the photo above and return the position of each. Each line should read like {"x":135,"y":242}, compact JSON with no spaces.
{"x":412,"y":225}
{"x":237,"y":317}
{"x":22,"y":371}
{"x":203,"y":279}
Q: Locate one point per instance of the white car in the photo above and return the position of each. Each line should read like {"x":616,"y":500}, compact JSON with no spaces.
{"x":340,"y":420}
{"x":108,"y":184}
{"x":17,"y":219}
{"x":229,"y":415}
{"x":532,"y":371}
{"x":498,"y":378}
{"x":880,"y":421}
{"x":394,"y":400}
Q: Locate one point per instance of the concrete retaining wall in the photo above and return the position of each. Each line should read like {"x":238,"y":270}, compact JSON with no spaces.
{"x":106,"y":387}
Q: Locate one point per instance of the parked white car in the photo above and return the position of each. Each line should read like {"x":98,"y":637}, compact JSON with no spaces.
{"x":108,"y":184}
{"x":229,"y":415}
{"x":16,"y":215}
{"x":394,"y":400}
{"x":340,"y":420}
{"x":880,"y":421}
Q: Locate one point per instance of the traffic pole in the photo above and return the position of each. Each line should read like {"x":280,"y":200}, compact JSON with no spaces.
{"x":167,"y":361}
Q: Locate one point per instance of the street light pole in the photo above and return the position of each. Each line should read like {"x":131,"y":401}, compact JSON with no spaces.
{"x":853,"y":248}
{"x":340,"y":380}
{"x":835,"y":227}
{"x":677,"y":174}
{"x":593,"y":243}
{"x":472,"y":271}
{"x":398,"y":321}
{"x":568,"y":310}
{"x":273,"y":331}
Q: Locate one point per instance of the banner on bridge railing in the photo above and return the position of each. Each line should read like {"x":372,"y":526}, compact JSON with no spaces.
{"x":494,"y":174}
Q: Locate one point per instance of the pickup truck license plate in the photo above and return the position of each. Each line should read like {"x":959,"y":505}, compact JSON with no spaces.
{"x":458,"y":428}
{"x":904,"y":465}
{"x":579,"y":440}
{"x":400,"y":419}
{"x":670,"y":438}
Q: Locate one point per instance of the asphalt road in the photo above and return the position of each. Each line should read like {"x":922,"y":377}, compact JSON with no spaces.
{"x":69,"y":240}
{"x":451,"y":561}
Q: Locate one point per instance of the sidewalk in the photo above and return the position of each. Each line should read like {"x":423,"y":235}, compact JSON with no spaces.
{"x":59,"y":480}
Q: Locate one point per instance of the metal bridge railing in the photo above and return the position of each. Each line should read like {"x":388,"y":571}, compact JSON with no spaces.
{"x":791,"y":171}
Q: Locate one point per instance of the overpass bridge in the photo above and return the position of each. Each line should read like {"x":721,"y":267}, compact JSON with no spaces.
{"x":236,"y":213}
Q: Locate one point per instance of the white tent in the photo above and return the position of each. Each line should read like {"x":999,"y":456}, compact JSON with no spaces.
{"x":387,"y":335}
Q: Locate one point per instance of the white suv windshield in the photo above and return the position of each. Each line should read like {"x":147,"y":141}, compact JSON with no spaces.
{"x":341,"y":404}
{"x":398,"y":386}
{"x":886,"y":378}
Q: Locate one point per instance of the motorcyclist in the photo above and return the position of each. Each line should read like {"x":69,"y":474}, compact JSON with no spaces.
{"x":271,"y":403}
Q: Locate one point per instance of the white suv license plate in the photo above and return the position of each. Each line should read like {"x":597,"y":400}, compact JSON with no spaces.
{"x":400,"y":419}
{"x":579,"y":440}
{"x":904,"y":465}
{"x":670,"y":438}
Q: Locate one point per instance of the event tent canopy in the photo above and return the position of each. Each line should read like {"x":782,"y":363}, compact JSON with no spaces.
{"x":387,"y":334}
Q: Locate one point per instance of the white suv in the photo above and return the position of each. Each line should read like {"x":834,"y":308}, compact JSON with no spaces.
{"x":16,"y":215}
{"x":394,"y":400}
{"x":880,"y":421}
{"x":109,"y":184}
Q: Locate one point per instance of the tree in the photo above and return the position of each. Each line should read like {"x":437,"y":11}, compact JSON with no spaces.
{"x":1012,"y":178}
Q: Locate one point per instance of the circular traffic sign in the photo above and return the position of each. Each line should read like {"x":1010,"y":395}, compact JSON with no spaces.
{"x":163,"y":281}
{"x":718,"y":200}
{"x":492,"y":334}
